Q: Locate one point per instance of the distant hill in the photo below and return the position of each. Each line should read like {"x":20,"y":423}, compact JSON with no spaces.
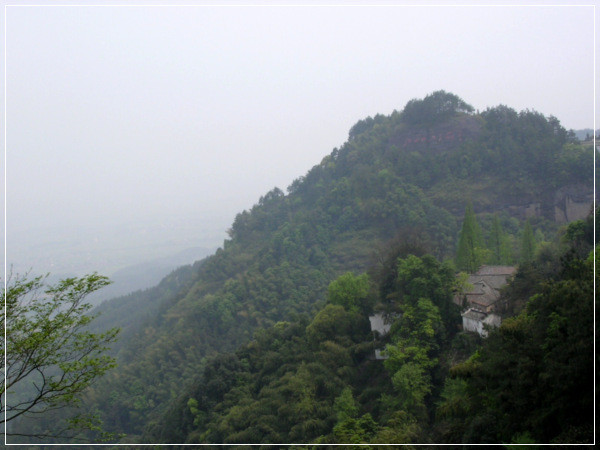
{"x":585,"y":134}
{"x":402,"y":179}
{"x":147,"y":274}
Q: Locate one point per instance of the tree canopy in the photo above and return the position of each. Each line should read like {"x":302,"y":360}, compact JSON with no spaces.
{"x":51,"y":357}
{"x":435,"y":107}
{"x":471,"y":252}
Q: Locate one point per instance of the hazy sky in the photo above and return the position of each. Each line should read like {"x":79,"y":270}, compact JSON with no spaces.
{"x":120,"y":114}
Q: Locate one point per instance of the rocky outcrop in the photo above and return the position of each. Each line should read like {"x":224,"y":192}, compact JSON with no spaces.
{"x":573,"y":203}
{"x":440,"y":137}
{"x":564,"y":205}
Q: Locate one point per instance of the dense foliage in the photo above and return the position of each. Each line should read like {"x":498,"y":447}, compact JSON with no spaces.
{"x":316,"y":381}
{"x":48,"y":356}
{"x":470,"y":253}
{"x":297,"y":382}
{"x":399,"y":179}
{"x":434,"y":108}
{"x":533,"y":379}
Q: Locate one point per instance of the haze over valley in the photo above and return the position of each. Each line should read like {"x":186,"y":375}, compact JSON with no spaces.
{"x":342,"y":224}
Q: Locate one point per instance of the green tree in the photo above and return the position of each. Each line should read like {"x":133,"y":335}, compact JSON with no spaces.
{"x":434,"y":108}
{"x":400,"y":429}
{"x":498,"y":244}
{"x":349,"y":428}
{"x":345,"y":406}
{"x":355,"y":431}
{"x":422,"y":285}
{"x":49,"y":357}
{"x":351,"y":292}
{"x":333,"y":323}
{"x":527,"y":243}
{"x":470,"y":253}
{"x":412,"y":385}
{"x":452,"y":410}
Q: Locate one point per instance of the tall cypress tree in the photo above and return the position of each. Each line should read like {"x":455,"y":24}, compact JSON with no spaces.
{"x":498,"y":244}
{"x":470,"y":252}
{"x":527,"y":243}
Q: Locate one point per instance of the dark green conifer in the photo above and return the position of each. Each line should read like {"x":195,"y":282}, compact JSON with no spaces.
{"x":470,"y":252}
{"x":498,"y":244}
{"x":527,"y":243}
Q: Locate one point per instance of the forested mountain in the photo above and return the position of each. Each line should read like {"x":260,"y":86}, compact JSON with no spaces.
{"x":316,"y":381}
{"x":252,"y":344}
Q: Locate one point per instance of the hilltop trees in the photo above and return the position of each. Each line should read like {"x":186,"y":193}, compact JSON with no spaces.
{"x":434,"y":108}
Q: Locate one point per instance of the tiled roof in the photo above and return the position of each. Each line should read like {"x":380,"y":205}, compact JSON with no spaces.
{"x":482,"y":294}
{"x":496,"y":270}
{"x":474,"y":314}
{"x":494,"y":276}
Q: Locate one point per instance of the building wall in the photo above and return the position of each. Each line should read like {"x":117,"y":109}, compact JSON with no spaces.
{"x":472,"y":325}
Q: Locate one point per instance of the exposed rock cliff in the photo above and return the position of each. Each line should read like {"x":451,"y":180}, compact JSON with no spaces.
{"x":573,"y":203}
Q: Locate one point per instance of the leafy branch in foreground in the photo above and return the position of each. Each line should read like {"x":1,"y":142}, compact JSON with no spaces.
{"x":49,"y":357}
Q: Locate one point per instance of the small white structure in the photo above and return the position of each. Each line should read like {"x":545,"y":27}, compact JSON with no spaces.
{"x":474,"y":320}
{"x":380,"y":326}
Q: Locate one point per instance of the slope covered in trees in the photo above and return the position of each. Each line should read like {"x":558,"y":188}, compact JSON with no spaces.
{"x":406,"y":177}
{"x":315,"y":381}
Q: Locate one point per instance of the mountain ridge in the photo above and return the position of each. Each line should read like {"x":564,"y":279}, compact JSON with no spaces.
{"x":384,"y":183}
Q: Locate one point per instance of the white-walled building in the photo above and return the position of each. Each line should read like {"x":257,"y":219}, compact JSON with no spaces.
{"x":380,"y":327}
{"x":476,"y":320}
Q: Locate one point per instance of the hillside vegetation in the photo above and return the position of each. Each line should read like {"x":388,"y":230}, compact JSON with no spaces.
{"x":250,"y":345}
{"x":316,"y":381}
